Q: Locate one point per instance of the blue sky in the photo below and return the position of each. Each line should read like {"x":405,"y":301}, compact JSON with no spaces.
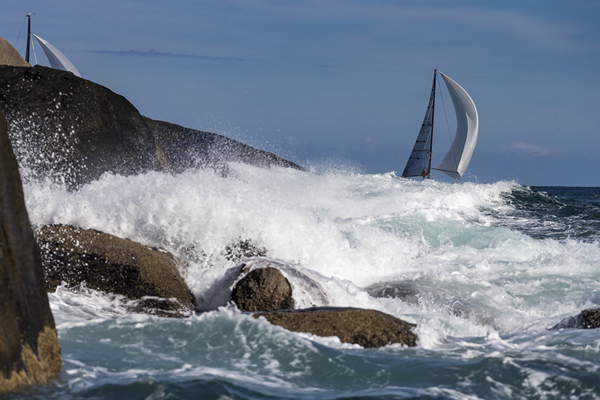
{"x":347,"y":82}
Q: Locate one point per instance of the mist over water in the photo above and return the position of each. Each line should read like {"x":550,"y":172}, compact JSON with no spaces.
{"x":482,"y":269}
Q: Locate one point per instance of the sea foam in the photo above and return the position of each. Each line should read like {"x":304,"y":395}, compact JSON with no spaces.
{"x":468,"y":270}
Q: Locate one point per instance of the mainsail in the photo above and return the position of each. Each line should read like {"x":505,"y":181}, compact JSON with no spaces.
{"x":56,"y":58}
{"x":456,"y":160}
{"x":419,"y":162}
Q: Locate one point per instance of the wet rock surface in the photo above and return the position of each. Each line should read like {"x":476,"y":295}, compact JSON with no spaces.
{"x":263,"y":289}
{"x":367,"y":328}
{"x":243,"y":249}
{"x":587,"y":319}
{"x":406,"y":291}
{"x":184,"y":148}
{"x":114,"y":265}
{"x":29,"y":348}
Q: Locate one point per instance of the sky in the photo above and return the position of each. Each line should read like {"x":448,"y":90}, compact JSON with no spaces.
{"x":345,"y":83}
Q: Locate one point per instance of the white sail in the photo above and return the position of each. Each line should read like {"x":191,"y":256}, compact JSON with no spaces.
{"x":457,"y":158}
{"x":56,"y":58}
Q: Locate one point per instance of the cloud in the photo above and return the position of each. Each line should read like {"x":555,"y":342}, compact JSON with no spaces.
{"x":369,"y":143}
{"x":530,"y":148}
{"x":168,"y":54}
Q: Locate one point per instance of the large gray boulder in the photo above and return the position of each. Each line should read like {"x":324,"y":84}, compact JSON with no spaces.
{"x":368,"y":328}
{"x":587,"y":319}
{"x":114,"y":265}
{"x":73,"y":130}
{"x":29,"y":348}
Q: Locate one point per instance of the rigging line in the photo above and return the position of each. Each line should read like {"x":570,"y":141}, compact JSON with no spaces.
{"x":412,"y":118}
{"x":33,"y":51}
{"x":21,"y":31}
{"x":448,"y":126}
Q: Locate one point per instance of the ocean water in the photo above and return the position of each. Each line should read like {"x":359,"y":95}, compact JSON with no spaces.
{"x":484,"y":270}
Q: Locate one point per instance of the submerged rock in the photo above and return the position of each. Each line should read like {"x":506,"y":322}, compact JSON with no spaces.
{"x":263,"y":289}
{"x":587,"y":319}
{"x":114,"y":265}
{"x":73,"y":131}
{"x":29,"y":348}
{"x":405,"y":291}
{"x":368,"y":328}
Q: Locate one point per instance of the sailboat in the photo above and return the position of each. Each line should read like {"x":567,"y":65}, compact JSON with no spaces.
{"x":456,"y":160}
{"x":56,"y":58}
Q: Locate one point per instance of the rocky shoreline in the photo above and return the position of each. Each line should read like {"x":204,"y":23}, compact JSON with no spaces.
{"x":72,"y":131}
{"x":151,"y":282}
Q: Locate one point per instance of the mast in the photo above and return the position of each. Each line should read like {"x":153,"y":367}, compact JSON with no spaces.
{"x":432,"y":117}
{"x":28,"y":37}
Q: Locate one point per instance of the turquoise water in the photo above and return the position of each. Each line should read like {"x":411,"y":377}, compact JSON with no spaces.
{"x":484,"y":270}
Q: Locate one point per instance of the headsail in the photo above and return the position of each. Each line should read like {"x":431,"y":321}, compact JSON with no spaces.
{"x":56,"y":58}
{"x":456,"y":160}
{"x":420,"y":158}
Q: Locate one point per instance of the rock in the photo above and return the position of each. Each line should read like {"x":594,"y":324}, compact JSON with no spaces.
{"x":587,"y":319}
{"x":73,"y":130}
{"x":405,"y":291}
{"x":306,"y":290}
{"x":185,"y":148}
{"x":10,"y":56}
{"x":114,"y":265}
{"x":242,"y":249}
{"x":29,"y":348}
{"x":368,"y":328}
{"x":159,"y":306}
{"x":263,"y":289}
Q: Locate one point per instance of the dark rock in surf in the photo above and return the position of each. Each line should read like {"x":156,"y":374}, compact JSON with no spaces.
{"x":159,"y":306}
{"x":405,"y":291}
{"x":311,"y":290}
{"x":263,"y":289}
{"x":73,"y":130}
{"x":219,"y":293}
{"x":587,"y":319}
{"x":113,"y":265}
{"x":367,"y":328}
{"x":29,"y":348}
{"x":242,"y":249}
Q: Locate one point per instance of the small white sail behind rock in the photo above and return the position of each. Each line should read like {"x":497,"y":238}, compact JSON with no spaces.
{"x":56,"y":58}
{"x":457,"y":158}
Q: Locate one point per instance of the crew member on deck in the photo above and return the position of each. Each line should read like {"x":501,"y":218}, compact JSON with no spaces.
{"x":424,"y":174}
